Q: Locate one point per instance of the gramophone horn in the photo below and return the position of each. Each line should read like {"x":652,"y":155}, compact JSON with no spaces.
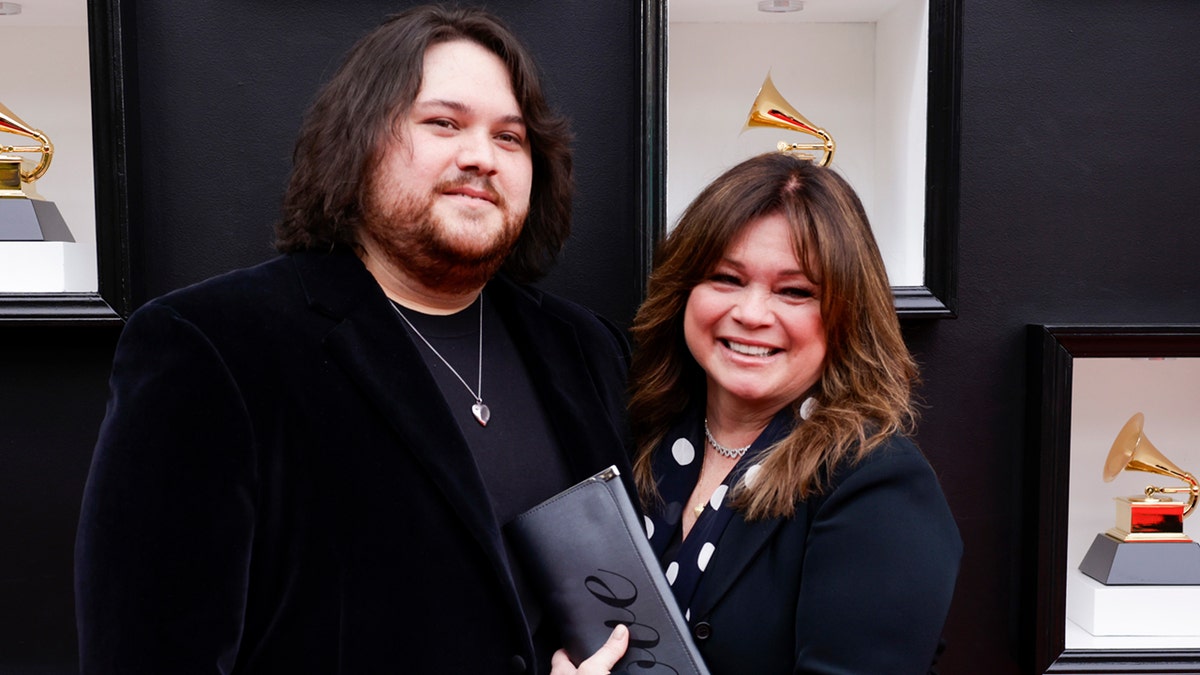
{"x":770,"y":109}
{"x":1132,"y":451}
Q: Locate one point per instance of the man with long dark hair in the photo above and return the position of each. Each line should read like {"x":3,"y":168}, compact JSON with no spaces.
{"x":305,"y":465}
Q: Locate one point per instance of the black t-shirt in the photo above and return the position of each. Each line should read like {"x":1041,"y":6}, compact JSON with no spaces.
{"x":516,"y":453}
{"x":518,"y":457}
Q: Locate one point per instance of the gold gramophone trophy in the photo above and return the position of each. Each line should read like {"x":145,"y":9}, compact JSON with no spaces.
{"x":770,"y":109}
{"x":1147,"y":546}
{"x":24,"y":215}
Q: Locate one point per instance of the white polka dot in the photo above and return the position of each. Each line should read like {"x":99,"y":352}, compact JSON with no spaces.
{"x":706,"y":552}
{"x":649,"y":527}
{"x":806,"y":408}
{"x":718,"y":496}
{"x":683,"y":451}
{"x":672,"y":572}
{"x":752,"y":475}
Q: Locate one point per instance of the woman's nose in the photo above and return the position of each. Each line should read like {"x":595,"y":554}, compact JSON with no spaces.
{"x":753,"y":308}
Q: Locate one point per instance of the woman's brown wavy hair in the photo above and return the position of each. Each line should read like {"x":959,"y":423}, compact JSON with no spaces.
{"x":376,"y":84}
{"x":864,"y":393}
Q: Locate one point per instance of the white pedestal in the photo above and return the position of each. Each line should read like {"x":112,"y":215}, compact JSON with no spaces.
{"x":1151,"y":611}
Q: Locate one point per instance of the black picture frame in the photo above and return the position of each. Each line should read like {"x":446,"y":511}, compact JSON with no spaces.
{"x":937,"y":297}
{"x":1052,"y":351}
{"x":111,"y":85}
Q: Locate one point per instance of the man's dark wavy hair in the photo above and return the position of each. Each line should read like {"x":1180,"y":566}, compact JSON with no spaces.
{"x":353,"y":114}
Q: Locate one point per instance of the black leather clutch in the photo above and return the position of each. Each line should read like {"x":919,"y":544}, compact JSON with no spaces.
{"x":586,"y":555}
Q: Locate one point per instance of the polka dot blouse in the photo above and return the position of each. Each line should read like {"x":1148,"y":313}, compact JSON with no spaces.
{"x":676,"y":467}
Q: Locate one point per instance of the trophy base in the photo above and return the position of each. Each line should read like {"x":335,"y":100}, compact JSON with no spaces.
{"x":1142,"y":563}
{"x":31,"y":220}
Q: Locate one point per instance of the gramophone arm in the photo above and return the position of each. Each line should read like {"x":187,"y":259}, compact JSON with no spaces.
{"x":827,"y":146}
{"x":11,"y":124}
{"x":46,"y":149}
{"x":1193,"y":490}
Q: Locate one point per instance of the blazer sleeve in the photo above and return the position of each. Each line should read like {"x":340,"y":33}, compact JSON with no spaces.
{"x":879,"y":570}
{"x":163,"y":546}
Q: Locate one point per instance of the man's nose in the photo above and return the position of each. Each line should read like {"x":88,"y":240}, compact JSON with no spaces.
{"x":477,"y":153}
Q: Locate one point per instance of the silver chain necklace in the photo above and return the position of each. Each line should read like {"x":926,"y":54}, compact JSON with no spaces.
{"x":479,"y":410}
{"x":731,"y":453}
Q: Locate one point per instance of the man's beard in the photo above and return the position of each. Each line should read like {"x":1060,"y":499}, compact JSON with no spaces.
{"x":416,"y":241}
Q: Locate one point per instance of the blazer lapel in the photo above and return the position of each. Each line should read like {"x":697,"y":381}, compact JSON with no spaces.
{"x":739,"y":544}
{"x":369,"y":343}
{"x":554,"y":356}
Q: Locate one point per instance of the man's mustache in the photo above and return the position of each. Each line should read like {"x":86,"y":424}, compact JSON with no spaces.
{"x":475,"y":186}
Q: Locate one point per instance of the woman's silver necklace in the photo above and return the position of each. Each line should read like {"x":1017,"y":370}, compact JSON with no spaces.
{"x":731,"y":453}
{"x":480,"y":409}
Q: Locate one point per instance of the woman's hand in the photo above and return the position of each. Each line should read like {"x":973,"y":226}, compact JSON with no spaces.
{"x":600,"y":663}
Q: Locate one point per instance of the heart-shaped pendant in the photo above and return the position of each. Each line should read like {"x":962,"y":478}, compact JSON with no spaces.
{"x":481,"y":413}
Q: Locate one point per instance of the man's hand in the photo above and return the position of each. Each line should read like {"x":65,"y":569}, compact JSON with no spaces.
{"x":600,"y":663}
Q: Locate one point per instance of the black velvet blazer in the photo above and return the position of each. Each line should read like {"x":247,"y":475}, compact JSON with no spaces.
{"x":857,"y":582}
{"x":278,"y":487}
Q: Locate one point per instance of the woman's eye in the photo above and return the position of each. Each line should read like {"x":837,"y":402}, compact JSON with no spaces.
{"x":723,"y":279}
{"x":798,"y":292}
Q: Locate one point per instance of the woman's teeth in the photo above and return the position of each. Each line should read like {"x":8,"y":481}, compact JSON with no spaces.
{"x":749,"y":350}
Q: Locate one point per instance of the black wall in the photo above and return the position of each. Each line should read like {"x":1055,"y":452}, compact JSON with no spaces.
{"x":1080,"y":202}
